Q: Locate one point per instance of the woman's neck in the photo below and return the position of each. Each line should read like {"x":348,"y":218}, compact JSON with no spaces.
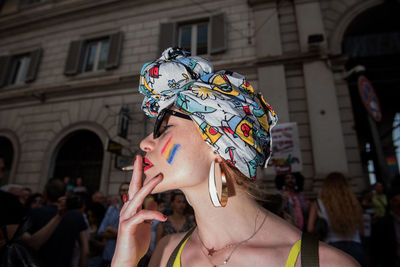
{"x":233,"y":223}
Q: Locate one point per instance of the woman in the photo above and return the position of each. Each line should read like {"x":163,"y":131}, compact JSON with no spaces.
{"x":178,"y":221}
{"x":210,"y":127}
{"x":95,"y":214}
{"x":79,"y":187}
{"x":295,"y":205}
{"x":343,"y":213}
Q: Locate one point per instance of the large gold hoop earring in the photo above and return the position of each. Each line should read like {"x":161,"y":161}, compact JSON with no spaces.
{"x":212,"y":188}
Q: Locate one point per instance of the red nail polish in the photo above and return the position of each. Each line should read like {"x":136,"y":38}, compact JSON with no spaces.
{"x":164,"y":216}
{"x":125,"y":197}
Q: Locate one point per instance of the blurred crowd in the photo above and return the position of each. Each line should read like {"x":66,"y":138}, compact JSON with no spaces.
{"x":367,"y":227}
{"x":67,"y":226}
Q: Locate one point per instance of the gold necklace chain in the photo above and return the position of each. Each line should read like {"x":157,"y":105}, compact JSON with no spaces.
{"x":212,"y":251}
{"x":230,"y":245}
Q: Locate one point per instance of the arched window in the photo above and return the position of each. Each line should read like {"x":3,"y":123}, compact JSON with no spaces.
{"x":80,"y":154}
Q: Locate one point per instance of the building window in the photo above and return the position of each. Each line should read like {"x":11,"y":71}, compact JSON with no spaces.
{"x":194,"y":38}
{"x":94,"y":54}
{"x":209,"y":36}
{"x":20,"y":68}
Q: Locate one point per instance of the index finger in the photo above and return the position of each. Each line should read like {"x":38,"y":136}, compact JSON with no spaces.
{"x":136,"y":181}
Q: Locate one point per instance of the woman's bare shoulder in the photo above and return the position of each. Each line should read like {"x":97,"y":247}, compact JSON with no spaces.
{"x":330,"y":256}
{"x":164,"y":249}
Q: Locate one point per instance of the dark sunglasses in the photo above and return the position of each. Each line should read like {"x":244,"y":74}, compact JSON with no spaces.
{"x":161,"y":117}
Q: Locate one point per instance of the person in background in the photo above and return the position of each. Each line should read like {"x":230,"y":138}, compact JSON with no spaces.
{"x":385,"y":238}
{"x":18,"y":191}
{"x":11,"y":214}
{"x":11,"y":210}
{"x":295,"y":206}
{"x":79,"y":187}
{"x":26,"y":192}
{"x":178,"y":221}
{"x":343,"y":213}
{"x":69,"y":187}
{"x":112,"y":201}
{"x":67,"y":226}
{"x":95,"y":213}
{"x":379,"y":200}
{"x":79,"y":202}
{"x":108,"y":229}
{"x":98,"y":197}
{"x":368,"y":215}
{"x":34,"y":201}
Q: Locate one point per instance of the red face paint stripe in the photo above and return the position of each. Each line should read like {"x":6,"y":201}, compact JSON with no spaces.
{"x":165,"y":146}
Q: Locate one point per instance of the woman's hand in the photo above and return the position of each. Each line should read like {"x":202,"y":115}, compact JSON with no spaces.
{"x":135,"y":223}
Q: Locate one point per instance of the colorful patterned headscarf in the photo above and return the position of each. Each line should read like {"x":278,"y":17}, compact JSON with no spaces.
{"x":231,"y":117}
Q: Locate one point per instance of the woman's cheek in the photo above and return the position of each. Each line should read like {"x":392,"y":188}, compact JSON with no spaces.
{"x":170,"y":151}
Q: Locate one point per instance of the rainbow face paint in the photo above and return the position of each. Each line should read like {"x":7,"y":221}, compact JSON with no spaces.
{"x":169,"y":150}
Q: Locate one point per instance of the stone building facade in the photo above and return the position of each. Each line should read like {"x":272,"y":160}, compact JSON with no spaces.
{"x":70,"y":67}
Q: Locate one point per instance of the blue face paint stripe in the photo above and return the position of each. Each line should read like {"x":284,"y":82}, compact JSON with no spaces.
{"x":174,"y":150}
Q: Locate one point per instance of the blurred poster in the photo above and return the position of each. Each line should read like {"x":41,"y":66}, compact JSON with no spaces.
{"x":286,"y":155}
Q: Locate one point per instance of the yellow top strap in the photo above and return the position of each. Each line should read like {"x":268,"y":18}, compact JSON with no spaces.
{"x":175,"y":258}
{"x":294,"y":253}
{"x":177,"y":262}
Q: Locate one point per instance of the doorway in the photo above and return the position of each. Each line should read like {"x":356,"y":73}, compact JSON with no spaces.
{"x":372,"y":41}
{"x":80,"y":154}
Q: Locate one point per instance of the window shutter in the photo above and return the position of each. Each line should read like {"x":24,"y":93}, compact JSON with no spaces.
{"x":33,"y":65}
{"x":167,"y":37}
{"x":114,"y":50}
{"x":218,"y":29}
{"x":4,"y":66}
{"x":74,"y":58}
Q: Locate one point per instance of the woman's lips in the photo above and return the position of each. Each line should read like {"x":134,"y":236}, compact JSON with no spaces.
{"x":146,"y":164}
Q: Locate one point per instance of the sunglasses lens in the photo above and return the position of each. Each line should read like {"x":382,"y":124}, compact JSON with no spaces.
{"x":160,"y":118}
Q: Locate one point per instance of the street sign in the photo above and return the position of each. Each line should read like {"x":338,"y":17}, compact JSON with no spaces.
{"x":369,"y":98}
{"x":114,"y":147}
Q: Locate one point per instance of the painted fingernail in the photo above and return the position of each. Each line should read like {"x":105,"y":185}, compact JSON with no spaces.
{"x":164,"y":217}
{"x":125,"y":197}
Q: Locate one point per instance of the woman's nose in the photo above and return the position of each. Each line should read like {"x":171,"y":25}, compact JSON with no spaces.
{"x":148,"y":143}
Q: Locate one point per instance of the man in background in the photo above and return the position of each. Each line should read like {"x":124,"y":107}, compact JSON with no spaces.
{"x":69,"y":226}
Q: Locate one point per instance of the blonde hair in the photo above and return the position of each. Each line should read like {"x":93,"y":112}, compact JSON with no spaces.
{"x":343,"y":208}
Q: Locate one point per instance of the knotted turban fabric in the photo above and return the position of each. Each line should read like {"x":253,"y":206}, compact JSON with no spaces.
{"x":230,"y":116}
